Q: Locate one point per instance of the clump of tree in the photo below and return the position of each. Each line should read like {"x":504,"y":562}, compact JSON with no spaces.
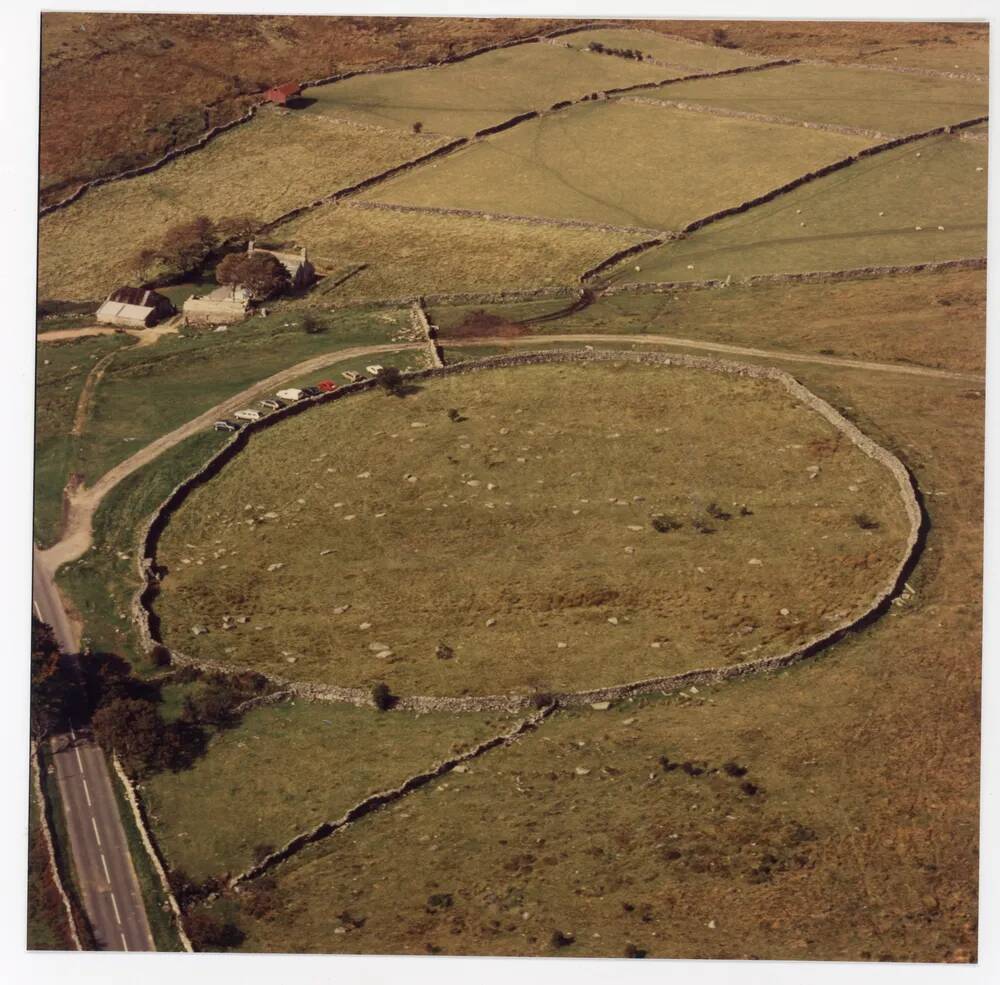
{"x":209,"y":934}
{"x":262,"y":274}
{"x":56,"y":687}
{"x":601,"y":49}
{"x":382,"y":697}
{"x":390,"y":379}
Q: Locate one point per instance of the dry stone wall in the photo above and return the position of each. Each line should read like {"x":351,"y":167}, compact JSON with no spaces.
{"x":853,"y":273}
{"x":152,"y":852}
{"x":147,"y":624}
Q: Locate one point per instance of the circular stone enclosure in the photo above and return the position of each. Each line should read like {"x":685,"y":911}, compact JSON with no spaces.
{"x":553,"y":522}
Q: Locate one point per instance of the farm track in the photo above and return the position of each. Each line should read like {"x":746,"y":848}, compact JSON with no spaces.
{"x":83,"y":502}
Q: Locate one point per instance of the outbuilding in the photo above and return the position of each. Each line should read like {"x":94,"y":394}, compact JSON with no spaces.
{"x":134,"y":307}
{"x":279,"y":95}
{"x":223,"y":306}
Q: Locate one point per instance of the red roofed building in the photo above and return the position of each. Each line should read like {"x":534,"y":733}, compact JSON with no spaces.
{"x":281,"y":94}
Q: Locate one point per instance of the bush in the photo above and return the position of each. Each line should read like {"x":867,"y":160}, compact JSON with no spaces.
{"x":631,"y":951}
{"x":208,"y":934}
{"x":444,"y":652}
{"x":160,"y":656}
{"x":382,"y":697}
{"x":664,"y":524}
{"x":702,"y":526}
{"x":312,"y":326}
{"x":541,"y":699}
{"x":390,"y":379}
{"x":865,"y":522}
{"x":561,"y":939}
{"x":716,"y":511}
{"x":418,"y":126}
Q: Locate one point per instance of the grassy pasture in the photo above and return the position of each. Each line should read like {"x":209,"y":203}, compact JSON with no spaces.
{"x":931,"y":319}
{"x":971,"y":55}
{"x":276,"y":162}
{"x":834,"y":222}
{"x":464,"y":97}
{"x":286,"y":768}
{"x":858,"y":844}
{"x":563,"y":544}
{"x":406,"y":253}
{"x":681,"y":54}
{"x":620,"y":163}
{"x":891,"y":102}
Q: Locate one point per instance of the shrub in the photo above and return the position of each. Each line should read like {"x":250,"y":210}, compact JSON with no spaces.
{"x":541,"y":699}
{"x":312,"y":326}
{"x":865,"y":522}
{"x":444,"y":652}
{"x":160,"y":656}
{"x":734,"y":769}
{"x":439,"y":901}
{"x":702,"y":526}
{"x":417,"y":126}
{"x":664,"y":524}
{"x":454,"y":415}
{"x":382,"y":697}
{"x":716,"y":511}
{"x":390,"y":379}
{"x":208,"y":934}
{"x":561,"y":939}
{"x":631,"y":951}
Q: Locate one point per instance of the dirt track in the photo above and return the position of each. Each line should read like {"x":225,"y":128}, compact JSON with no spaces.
{"x":83,"y":502}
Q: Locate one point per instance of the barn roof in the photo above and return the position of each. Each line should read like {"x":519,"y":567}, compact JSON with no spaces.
{"x":283,"y":91}
{"x":137,"y":296}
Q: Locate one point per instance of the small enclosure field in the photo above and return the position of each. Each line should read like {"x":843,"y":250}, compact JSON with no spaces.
{"x":262,"y":169}
{"x":971,"y":55}
{"x":285,"y":769}
{"x":461,"y":98}
{"x":400,"y":254}
{"x":920,"y":202}
{"x":620,"y":163}
{"x":687,"y":56}
{"x":890,"y":102}
{"x":526,"y":529}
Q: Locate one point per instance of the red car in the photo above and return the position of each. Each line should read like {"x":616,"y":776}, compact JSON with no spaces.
{"x":326,"y":386}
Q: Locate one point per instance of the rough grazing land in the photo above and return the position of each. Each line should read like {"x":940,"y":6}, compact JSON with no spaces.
{"x":533,"y":514}
{"x":621,"y":163}
{"x":277,"y":162}
{"x":699,"y":57}
{"x":855,"y":841}
{"x":405,"y":254}
{"x":931,"y":195}
{"x":467,"y":96}
{"x":891,"y":102}
{"x":285,"y":769}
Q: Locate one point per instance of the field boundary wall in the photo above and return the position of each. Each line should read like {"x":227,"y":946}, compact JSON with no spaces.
{"x":418,"y":317}
{"x":851,"y":273}
{"x":147,"y":625}
{"x":378,"y":800}
{"x":50,"y":850}
{"x":148,"y":844}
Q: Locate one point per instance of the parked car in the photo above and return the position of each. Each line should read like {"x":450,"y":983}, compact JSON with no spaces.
{"x":270,"y":404}
{"x":248,"y":414}
{"x":225,"y":426}
{"x":311,"y":391}
{"x":374,"y":369}
{"x":292,"y":393}
{"x":353,"y":377}
{"x":327,"y":386}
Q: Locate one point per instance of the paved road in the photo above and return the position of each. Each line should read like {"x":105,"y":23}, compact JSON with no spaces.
{"x":101,"y":859}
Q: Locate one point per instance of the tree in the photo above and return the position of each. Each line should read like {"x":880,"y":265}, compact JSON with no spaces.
{"x":133,"y":729}
{"x":382,"y":697}
{"x":141,"y":262}
{"x":417,"y":127}
{"x":209,"y":934}
{"x":390,"y":379}
{"x":55,"y":688}
{"x":262,"y":274}
{"x":239,"y":227}
{"x":187,"y":244}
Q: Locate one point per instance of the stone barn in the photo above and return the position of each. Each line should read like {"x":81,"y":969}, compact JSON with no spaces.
{"x":134,"y":307}
{"x":223,"y":306}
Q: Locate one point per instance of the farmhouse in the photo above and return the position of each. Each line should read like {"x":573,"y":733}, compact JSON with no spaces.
{"x":300,"y":271}
{"x":228,"y":303}
{"x":134,"y":307}
{"x":279,"y":95}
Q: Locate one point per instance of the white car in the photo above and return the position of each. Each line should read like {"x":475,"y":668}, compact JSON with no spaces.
{"x":269,"y":404}
{"x":374,"y":369}
{"x":353,"y":377}
{"x":292,"y":393}
{"x":248,"y":415}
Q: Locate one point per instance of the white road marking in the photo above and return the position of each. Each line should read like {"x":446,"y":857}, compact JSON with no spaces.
{"x":72,"y":733}
{"x":107,"y":875}
{"x":97,"y":834}
{"x":124,"y":942}
{"x":86,"y":791}
{"x":79,"y":761}
{"x":38,"y":612}
{"x":115,"y":905}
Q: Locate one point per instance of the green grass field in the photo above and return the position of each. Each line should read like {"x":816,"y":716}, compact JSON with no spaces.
{"x":262,"y":169}
{"x":890,"y":102}
{"x":406,"y":254}
{"x":684,"y":55}
{"x":834,"y":223}
{"x":288,"y":767}
{"x":534,"y":483}
{"x":620,"y":163}
{"x":467,"y":96}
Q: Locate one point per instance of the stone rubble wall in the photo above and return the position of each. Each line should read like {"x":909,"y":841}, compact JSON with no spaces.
{"x":853,"y":273}
{"x":934,"y":73}
{"x":50,"y":851}
{"x":528,"y":220}
{"x":378,"y":800}
{"x":147,"y":625}
{"x":151,"y":851}
{"x":469,"y":297}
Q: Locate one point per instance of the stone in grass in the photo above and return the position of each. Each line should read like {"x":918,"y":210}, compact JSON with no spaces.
{"x":491,"y":622}
{"x":340,"y":609}
{"x":198,"y":630}
{"x":581,"y":771}
{"x":277,"y":566}
{"x":375,"y":647}
{"x":444,"y":652}
{"x":365,"y":625}
{"x":600,"y":705}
